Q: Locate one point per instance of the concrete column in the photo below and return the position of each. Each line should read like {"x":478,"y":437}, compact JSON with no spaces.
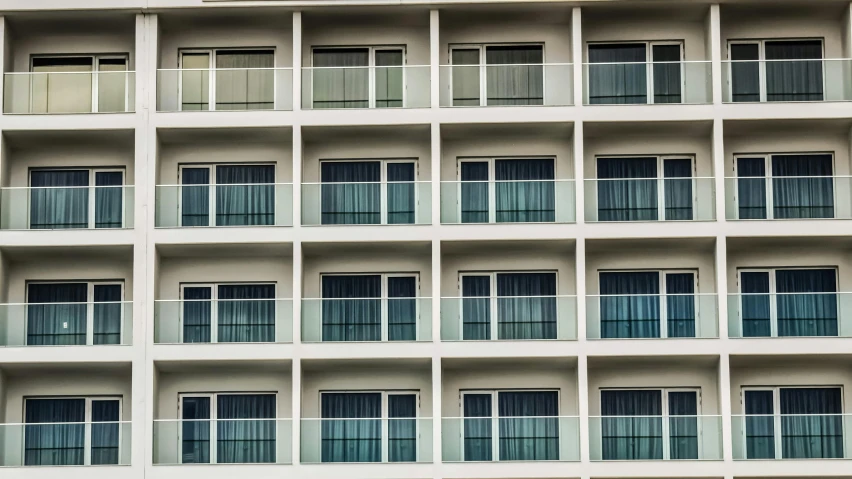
{"x":5,"y":50}
{"x":577,"y":54}
{"x":724,"y":362}
{"x":297,"y":178}
{"x":715,"y":27}
{"x":297,"y":61}
{"x":435,"y":57}
{"x":719,"y":171}
{"x":436,"y":174}
{"x":297,"y":341}
{"x":583,"y":403}
{"x":579,"y":184}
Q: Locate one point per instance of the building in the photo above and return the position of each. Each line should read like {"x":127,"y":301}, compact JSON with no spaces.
{"x":405,"y":240}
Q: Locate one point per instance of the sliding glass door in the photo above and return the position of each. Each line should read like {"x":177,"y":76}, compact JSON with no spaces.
{"x":628,"y":189}
{"x":71,"y":431}
{"x":498,"y":190}
{"x":69,"y":84}
{"x":227,"y":195}
{"x":369,"y":307}
{"x":242,"y":80}
{"x":785,"y":186}
{"x":358,"y":77}
{"x":647,"y":304}
{"x":368,"y":192}
{"x":619,"y":73}
{"x":524,"y":306}
{"x":228,"y":313}
{"x":495,"y":75}
{"x":61,"y":314}
{"x":788,"y":302}
{"x":63,"y":199}
{"x":776,"y":70}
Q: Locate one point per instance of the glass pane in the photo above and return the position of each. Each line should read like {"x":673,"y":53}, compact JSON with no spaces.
{"x":244,"y":315}
{"x":794,"y":194}
{"x":514,"y":75}
{"x":400,"y":193}
{"x":476,"y":307}
{"x":105,"y":431}
{"x":794,"y":70}
{"x":618,"y":74}
{"x":107,"y":314}
{"x":195,"y":81}
{"x":751,"y":188}
{"x":195,"y":430}
{"x":526,"y":305}
{"x":466,"y":83}
{"x":47,"y":440}
{"x":524,"y":190}
{"x":678,"y":188}
{"x":245,"y":80}
{"x":635,"y":430}
{"x":351,"y":308}
{"x":112,"y":85}
{"x":628,"y":191}
{"x":805,"y":303}
{"x":349,"y":432}
{"x":195,"y":196}
{"x":745,"y":75}
{"x":59,"y":199}
{"x":478,"y":425}
{"x":109,"y":201}
{"x":683,"y":425}
{"x":630,"y":304}
{"x":755,"y":307}
{"x":667,"y":73}
{"x":245,"y":195}
{"x":341,"y":78}
{"x":351,"y":192}
{"x":56,"y":314}
{"x":197,"y":314}
{"x":245,"y":431}
{"x":529,"y":426}
{"x":402,"y":308}
{"x":760,"y":424}
{"x":474,"y":192}
{"x":64,"y":85}
{"x":402,"y":427}
{"x":389,"y":80}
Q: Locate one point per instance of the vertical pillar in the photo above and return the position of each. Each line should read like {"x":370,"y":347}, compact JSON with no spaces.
{"x":7,"y":60}
{"x":297,"y":61}
{"x":579,"y":183}
{"x":437,"y":381}
{"x":436,"y":174}
{"x":715,"y":28}
{"x":724,"y":362}
{"x":434,"y":57}
{"x":577,"y":54}
{"x":582,"y":359}
{"x":296,"y":373}
{"x":719,"y":170}
{"x":297,"y":178}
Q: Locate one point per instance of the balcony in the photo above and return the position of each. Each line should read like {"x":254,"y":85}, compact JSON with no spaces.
{"x":224,"y":89}
{"x":367,"y":203}
{"x":222,"y":441}
{"x":107,"y":205}
{"x":487,"y":439}
{"x":780,"y":315}
{"x":646,"y":83}
{"x":103,"y":91}
{"x":787,"y":197}
{"x":345,"y":87}
{"x":650,"y":199}
{"x":40,"y":444}
{"x":655,"y":438}
{"x":224,"y":204}
{"x":366,"y":440}
{"x":652,"y":316}
{"x":791,"y":436}
{"x":66,"y":324}
{"x":756,"y":80}
{"x":366,"y":319}
{"x":520,"y":84}
{"x":223,"y":321}
{"x":532,"y":201}
{"x":509,"y":318}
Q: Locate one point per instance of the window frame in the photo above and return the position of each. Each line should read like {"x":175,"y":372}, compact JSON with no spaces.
{"x":95,"y":72}
{"x":211,"y":72}
{"x":483,"y":67}
{"x":90,"y":309}
{"x":212,"y":184}
{"x":761,"y":59}
{"x":649,"y":63}
{"x":214,"y":311}
{"x":371,"y":71}
{"x":91,"y":191}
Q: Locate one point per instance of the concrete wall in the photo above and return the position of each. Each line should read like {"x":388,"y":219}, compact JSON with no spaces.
{"x":211,"y":151}
{"x":68,"y":155}
{"x":175,"y":271}
{"x":702,"y":262}
{"x":366,"y":262}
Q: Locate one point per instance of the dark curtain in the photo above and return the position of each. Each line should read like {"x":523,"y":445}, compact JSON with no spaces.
{"x":246,"y":313}
{"x":524,"y":190}
{"x":107,"y":314}
{"x":526,"y":305}
{"x":197,"y":314}
{"x":760,"y":425}
{"x":476,"y":307}
{"x":59,"y":199}
{"x":617,"y":74}
{"x":245,"y":429}
{"x":49,"y":442}
{"x":195,"y":196}
{"x":630,"y":304}
{"x":514,"y":75}
{"x":245,"y":195}
{"x":478,"y":426}
{"x":402,"y":428}
{"x":474,"y":192}
{"x":666,"y":71}
{"x":349,"y":432}
{"x":400,"y":191}
{"x":195,"y":430}
{"x":683,"y":425}
{"x":389,"y":78}
{"x":811,"y":423}
{"x":402,"y":308}
{"x":680,"y":305}
{"x":351,"y":192}
{"x":799,"y":196}
{"x":56,"y":314}
{"x":677,"y":184}
{"x":636,"y":429}
{"x":352,"y":308}
{"x":755,"y":304}
{"x":806,"y":302}
{"x":105,"y":432}
{"x":109,"y":199}
{"x":529,"y":425}
{"x":751,"y":188}
{"x":627,"y":189}
{"x":337,"y":81}
{"x":745,"y":72}
{"x":794,"y":70}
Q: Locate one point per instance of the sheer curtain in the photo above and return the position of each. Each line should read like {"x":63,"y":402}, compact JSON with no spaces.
{"x":667,"y":75}
{"x":478,"y":425}
{"x":105,"y":432}
{"x":476,"y":307}
{"x":617,"y":74}
{"x":245,"y":430}
{"x":247,"y":81}
{"x":811,"y":424}
{"x":677,"y":184}
{"x":466,"y":76}
{"x":755,"y":304}
{"x":524,"y":190}
{"x":474,"y":192}
{"x":636,"y":430}
{"x":680,"y":305}
{"x":195,"y":430}
{"x":796,"y":74}
{"x":195,"y":196}
{"x":352,"y":308}
{"x":351,"y":192}
{"x":751,"y":188}
{"x":389,"y":75}
{"x":627,"y":189}
{"x":107,"y":312}
{"x":109,"y":199}
{"x":526,"y":305}
{"x":402,"y":308}
{"x":402,"y":428}
{"x":245,"y":195}
{"x":56,"y":314}
{"x":197,"y":314}
{"x":630,"y":304}
{"x":529,"y":425}
{"x":806,"y":303}
{"x":760,"y":424}
{"x":246,"y":313}
{"x":683,"y":425}
{"x":400,"y":193}
{"x":337,"y":81}
{"x":745,"y":72}
{"x":799,"y":197}
{"x":514,"y":75}
{"x":349,"y":431}
{"x":59,"y":199}
{"x":48,"y":442}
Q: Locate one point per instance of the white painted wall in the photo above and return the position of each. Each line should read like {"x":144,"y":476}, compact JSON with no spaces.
{"x":658,"y":258}
{"x":656,"y":142}
{"x":68,"y":155}
{"x":366,"y":262}
{"x":68,"y":268}
{"x":211,"y":151}
{"x":802,"y":372}
{"x":175,"y":271}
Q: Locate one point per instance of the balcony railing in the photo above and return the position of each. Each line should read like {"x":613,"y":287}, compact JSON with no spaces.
{"x":223,"y":441}
{"x":224,"y":89}
{"x":487,"y":439}
{"x":652,"y":316}
{"x":509,"y":318}
{"x":533,"y":201}
{"x":687,"y":82}
{"x":534,"y":84}
{"x":655,"y":438}
{"x":650,"y":199}
{"x":787,"y":80}
{"x":357,"y":440}
{"x":66,"y":324}
{"x":326,"y":88}
{"x":791,"y":436}
{"x":66,"y":207}
{"x":366,"y":319}
{"x":224,"y":205}
{"x":223,"y":321}
{"x":69,"y":92}
{"x":367,"y":203}
{"x":65,"y":444}
{"x":774,"y":315}
{"x":788,"y":197}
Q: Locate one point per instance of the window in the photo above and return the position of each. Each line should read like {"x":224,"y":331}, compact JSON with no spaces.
{"x":525,"y":423}
{"x":776,"y":70}
{"x":648,"y":304}
{"x":370,"y":307}
{"x":75,"y":313}
{"x":63,"y":199}
{"x":788,"y":302}
{"x":79,"y":84}
{"x":494,"y":75}
{"x":793,"y":422}
{"x":368,"y":192}
{"x":619,"y":73}
{"x":228,"y":313}
{"x":648,"y":424}
{"x":72,"y":431}
{"x":507,"y":190}
{"x":243,"y":432}
{"x":370,"y":426}
{"x":628,"y":188}
{"x":524,"y":306}
{"x":227,"y":195}
{"x":358,"y":77}
{"x":785,"y":186}
{"x":243,"y":79}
